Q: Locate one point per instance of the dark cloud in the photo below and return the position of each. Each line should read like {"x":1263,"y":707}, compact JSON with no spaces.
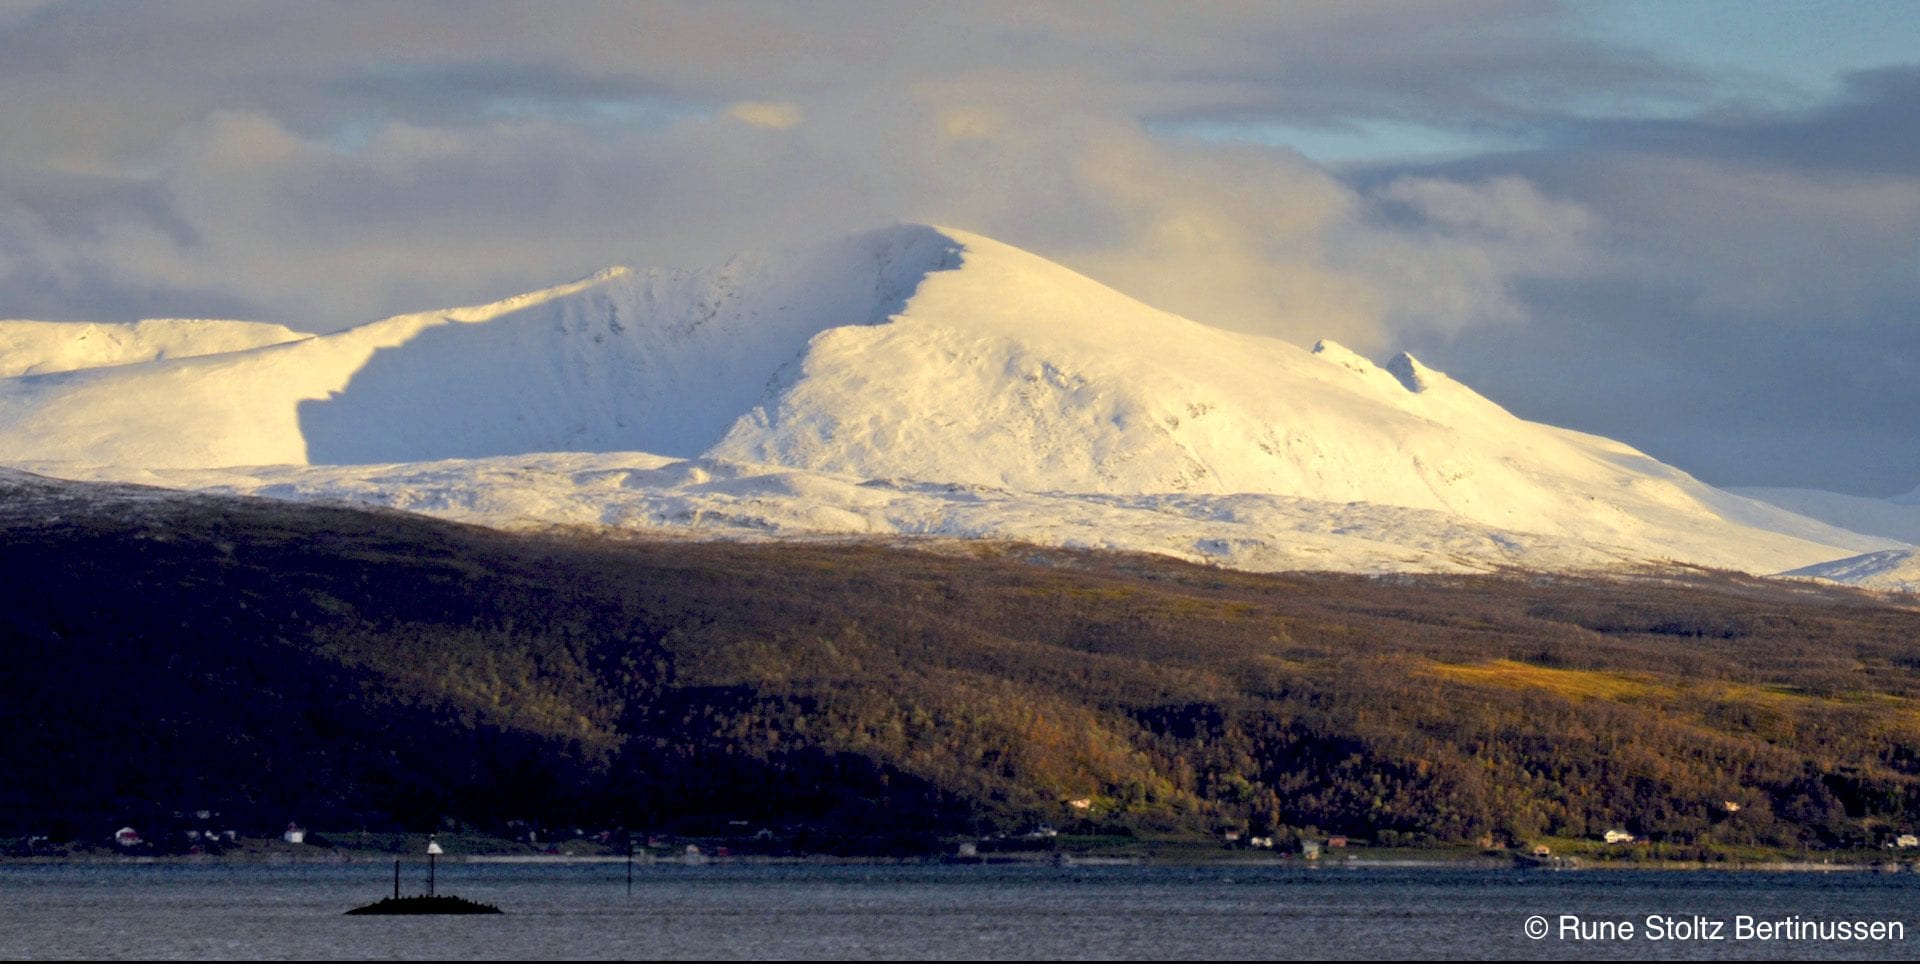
{"x":1752,"y":314}
{"x":89,"y":292}
{"x":1872,"y":128}
{"x":1732,"y":404}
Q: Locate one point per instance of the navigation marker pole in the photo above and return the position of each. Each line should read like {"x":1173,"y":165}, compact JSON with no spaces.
{"x":433,"y":852}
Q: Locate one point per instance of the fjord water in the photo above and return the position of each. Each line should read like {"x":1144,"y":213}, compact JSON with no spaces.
{"x":993,"y":912}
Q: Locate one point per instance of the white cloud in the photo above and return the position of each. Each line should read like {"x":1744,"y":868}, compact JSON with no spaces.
{"x":1455,"y":264}
{"x":329,"y":173}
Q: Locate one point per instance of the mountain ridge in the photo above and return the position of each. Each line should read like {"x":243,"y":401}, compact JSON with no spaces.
{"x":45,"y":347}
{"x":914,"y":354}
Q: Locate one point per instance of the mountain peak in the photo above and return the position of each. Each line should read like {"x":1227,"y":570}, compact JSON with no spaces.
{"x":911,"y":353}
{"x":1415,"y":376}
{"x":1329,"y":350}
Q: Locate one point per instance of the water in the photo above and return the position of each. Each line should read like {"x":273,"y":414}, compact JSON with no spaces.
{"x":995,"y":912}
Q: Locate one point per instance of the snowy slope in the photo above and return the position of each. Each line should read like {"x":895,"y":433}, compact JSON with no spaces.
{"x":928,"y":363}
{"x":1895,"y":518}
{"x":659,"y":361}
{"x":40,"y":347}
{"x":715,"y":498}
{"x":1056,"y":383}
{"x":1893,"y":570}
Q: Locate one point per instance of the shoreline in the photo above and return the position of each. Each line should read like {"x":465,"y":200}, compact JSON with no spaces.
{"x":1481,"y":863}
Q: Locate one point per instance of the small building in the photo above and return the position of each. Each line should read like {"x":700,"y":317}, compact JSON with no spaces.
{"x":1260,"y":843}
{"x":1542,"y":850}
{"x":1617,"y":837}
{"x":294,"y":834}
{"x":1336,"y":842}
{"x":1906,"y":841}
{"x":1310,"y":849}
{"x":1083,"y":804}
{"x":126,"y":837}
{"x":1730,"y":806}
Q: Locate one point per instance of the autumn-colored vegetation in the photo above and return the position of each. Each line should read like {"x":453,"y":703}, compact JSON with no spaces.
{"x":353,"y":669}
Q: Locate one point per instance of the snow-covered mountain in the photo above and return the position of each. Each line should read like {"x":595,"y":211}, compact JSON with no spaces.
{"x":41,"y":347}
{"x":1894,"y":570}
{"x":948,"y":367}
{"x":1891,"y":570}
{"x":662,"y":361}
{"x":1895,"y":518}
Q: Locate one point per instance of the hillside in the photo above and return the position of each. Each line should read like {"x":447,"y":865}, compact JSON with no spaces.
{"x":1894,"y":518}
{"x":44,"y":347}
{"x":915,"y":357}
{"x":375,"y":669}
{"x":1889,"y":570}
{"x":659,"y":361}
{"x":1896,"y":570}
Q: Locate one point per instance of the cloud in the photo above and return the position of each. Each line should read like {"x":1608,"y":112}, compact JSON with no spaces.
{"x":1457,"y":248}
{"x":1868,"y":129}
{"x":765,"y":113}
{"x":1746,"y":308}
{"x":323,"y":164}
{"x":440,"y":163}
{"x":1774,"y":245}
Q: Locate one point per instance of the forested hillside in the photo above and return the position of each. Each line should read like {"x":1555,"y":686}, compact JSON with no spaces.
{"x":355,"y":669}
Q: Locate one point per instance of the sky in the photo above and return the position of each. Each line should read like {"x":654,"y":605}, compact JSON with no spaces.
{"x":1694,"y":227}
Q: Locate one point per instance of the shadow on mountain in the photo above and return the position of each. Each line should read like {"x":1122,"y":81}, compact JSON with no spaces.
{"x":661,"y":363}
{"x":470,"y":390}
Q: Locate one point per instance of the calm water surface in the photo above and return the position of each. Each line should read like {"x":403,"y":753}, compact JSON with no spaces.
{"x":583,"y":911}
